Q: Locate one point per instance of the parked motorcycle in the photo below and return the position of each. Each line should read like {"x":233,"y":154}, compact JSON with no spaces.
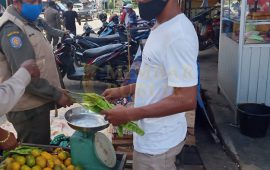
{"x":84,"y":43}
{"x":113,"y":27}
{"x":107,"y":28}
{"x":207,"y":28}
{"x":107,"y":64}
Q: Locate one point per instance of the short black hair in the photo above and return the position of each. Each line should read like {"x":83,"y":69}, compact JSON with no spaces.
{"x":52,"y":4}
{"x":70,"y":5}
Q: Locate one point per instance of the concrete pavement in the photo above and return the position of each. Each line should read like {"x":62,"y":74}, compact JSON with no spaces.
{"x":250,"y":153}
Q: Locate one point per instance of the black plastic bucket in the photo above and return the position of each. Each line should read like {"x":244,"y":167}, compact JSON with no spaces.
{"x":253,"y":119}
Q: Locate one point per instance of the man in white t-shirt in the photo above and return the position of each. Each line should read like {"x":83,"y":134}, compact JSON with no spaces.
{"x":166,"y":87}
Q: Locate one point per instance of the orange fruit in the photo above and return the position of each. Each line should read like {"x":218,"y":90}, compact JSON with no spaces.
{"x":15,"y":166}
{"x":67,"y":162}
{"x":58,"y":150}
{"x":25,"y":167}
{"x":70,"y":167}
{"x":9,"y":160}
{"x":36,"y":167}
{"x":50,"y":163}
{"x":20,"y":159}
{"x":36,"y":152}
{"x":62,"y":155}
{"x":57,"y":162}
{"x":30,"y":160}
{"x":57,"y":167}
{"x":63,"y":167}
{"x":46,"y":155}
{"x":41,"y":161}
{"x":47,"y":168}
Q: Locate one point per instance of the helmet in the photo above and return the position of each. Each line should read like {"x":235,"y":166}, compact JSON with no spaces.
{"x":102,"y":17}
{"x":125,"y":2}
{"x":128,"y":6}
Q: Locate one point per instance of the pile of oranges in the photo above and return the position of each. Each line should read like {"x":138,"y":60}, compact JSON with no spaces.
{"x":39,"y":160}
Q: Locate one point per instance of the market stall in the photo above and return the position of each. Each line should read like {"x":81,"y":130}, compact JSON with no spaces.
{"x":244,"y":55}
{"x":88,"y":147}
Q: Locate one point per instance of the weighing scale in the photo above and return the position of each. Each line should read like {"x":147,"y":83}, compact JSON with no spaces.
{"x":90,"y":149}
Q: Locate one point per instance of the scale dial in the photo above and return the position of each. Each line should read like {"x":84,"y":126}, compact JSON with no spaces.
{"x":104,"y":150}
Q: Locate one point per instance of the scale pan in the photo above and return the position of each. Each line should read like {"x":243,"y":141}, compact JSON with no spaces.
{"x":83,"y":120}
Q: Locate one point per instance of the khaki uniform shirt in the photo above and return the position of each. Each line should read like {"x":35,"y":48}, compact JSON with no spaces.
{"x":17,"y":48}
{"x":52,"y":17}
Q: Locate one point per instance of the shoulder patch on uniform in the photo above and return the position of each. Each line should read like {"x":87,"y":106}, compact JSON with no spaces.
{"x":15,"y":41}
{"x":13,"y":33}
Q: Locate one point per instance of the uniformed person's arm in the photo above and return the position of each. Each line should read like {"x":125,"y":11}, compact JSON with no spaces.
{"x":50,"y":30}
{"x":17,"y":49}
{"x":12,"y":90}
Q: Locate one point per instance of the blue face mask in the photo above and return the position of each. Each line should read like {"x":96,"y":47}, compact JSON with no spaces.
{"x":31,"y":11}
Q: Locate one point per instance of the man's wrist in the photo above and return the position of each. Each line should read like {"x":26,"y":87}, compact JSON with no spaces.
{"x":127,"y":90}
{"x":122,"y":91}
{"x":133,"y":114}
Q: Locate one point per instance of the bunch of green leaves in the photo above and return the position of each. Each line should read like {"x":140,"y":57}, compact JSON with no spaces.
{"x":97,"y":103}
{"x":21,"y":150}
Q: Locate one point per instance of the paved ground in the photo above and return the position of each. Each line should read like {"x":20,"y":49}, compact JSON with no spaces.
{"x":252,"y":154}
{"x":213,"y":154}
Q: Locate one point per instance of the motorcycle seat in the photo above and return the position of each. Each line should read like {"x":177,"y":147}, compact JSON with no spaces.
{"x":95,"y":52}
{"x":104,"y":40}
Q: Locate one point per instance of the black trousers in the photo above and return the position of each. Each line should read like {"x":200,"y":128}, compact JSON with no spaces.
{"x":53,"y":39}
{"x":32,"y":126}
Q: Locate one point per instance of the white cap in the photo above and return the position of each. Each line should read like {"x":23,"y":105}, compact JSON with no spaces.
{"x":128,"y":6}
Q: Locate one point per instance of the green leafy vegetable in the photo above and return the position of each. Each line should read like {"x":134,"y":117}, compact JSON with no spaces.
{"x":97,"y":103}
{"x":21,"y":150}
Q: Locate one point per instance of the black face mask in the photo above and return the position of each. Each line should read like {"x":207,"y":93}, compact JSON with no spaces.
{"x":151,"y":9}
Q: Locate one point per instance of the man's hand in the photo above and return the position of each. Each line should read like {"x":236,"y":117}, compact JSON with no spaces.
{"x":118,"y":115}
{"x":11,"y":143}
{"x":31,"y":66}
{"x":112,"y":94}
{"x":65,"y":100}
